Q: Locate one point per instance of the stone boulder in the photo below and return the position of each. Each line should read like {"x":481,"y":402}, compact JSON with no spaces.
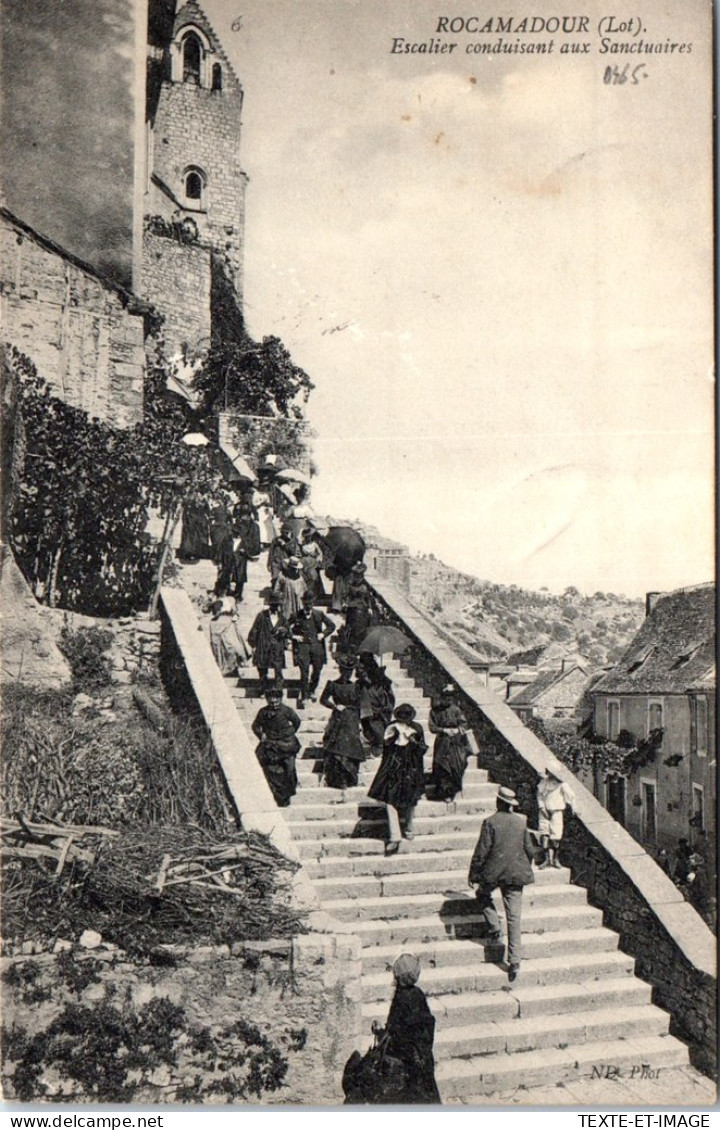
{"x":30,"y":654}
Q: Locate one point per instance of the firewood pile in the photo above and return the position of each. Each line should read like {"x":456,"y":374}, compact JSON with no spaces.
{"x":144,"y":888}
{"x":61,"y":843}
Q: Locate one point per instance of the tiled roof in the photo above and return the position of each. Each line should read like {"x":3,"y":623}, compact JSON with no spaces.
{"x":518,"y":677}
{"x":674,"y":649}
{"x":531,"y":694}
{"x":705,"y":682}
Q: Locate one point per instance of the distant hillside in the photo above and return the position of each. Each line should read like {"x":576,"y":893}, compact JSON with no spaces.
{"x":500,"y":622}
{"x":506,"y":621}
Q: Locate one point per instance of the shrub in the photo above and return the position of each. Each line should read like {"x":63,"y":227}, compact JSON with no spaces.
{"x":105,"y":1053}
{"x":86,"y":652}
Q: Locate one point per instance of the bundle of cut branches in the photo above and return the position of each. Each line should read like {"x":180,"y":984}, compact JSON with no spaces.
{"x":62,"y":843}
{"x":157,"y":886}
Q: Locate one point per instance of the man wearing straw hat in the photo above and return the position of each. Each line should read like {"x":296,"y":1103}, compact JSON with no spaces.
{"x":502,"y":858}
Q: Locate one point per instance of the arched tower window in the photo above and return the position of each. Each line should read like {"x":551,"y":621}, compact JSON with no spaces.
{"x":194,"y":181}
{"x":192,"y":58}
{"x":217,"y":77}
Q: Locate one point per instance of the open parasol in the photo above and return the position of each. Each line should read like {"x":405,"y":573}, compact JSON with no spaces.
{"x":384,"y":639}
{"x":292,"y":475}
{"x":345,"y":546}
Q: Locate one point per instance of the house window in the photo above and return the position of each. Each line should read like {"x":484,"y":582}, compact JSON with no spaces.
{"x":613,"y":720}
{"x":192,"y":57}
{"x":655,"y":716}
{"x":649,"y":811}
{"x":217,"y":77}
{"x":194,"y":185}
{"x":698,"y":808}
{"x":701,"y":725}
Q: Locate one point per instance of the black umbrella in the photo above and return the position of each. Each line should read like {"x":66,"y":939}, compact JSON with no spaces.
{"x":384,"y":639}
{"x":345,"y":546}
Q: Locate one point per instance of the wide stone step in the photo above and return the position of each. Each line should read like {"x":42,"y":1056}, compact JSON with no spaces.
{"x":350,"y":849}
{"x":374,"y":825}
{"x":379,"y":865}
{"x":473,"y":789}
{"x":505,"y":1037}
{"x":446,"y":902}
{"x":486,"y":977}
{"x":333,"y":807}
{"x":409,"y":932}
{"x":406,"y":881}
{"x":309,"y":770}
{"x":521,"y":1000}
{"x":433,"y":955}
{"x":482,"y":1075}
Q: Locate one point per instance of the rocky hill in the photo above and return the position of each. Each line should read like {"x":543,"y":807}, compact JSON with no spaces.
{"x":508,"y":622}
{"x":505,"y":622}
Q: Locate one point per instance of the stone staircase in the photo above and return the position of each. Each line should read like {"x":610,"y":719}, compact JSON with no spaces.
{"x":577,"y":1010}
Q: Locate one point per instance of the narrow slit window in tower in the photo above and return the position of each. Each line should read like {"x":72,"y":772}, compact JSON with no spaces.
{"x":217,"y":77}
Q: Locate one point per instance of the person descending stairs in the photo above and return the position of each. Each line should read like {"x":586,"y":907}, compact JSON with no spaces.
{"x":577,"y":1008}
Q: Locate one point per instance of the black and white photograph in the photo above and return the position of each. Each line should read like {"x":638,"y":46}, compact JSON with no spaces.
{"x":357,"y":558}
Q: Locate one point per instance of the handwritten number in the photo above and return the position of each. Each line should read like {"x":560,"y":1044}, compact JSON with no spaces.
{"x":616,"y":76}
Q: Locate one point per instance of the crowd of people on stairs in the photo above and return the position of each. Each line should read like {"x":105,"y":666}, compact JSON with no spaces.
{"x":365,"y":722}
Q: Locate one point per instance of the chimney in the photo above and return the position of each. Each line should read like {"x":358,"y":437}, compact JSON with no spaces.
{"x":565,"y":666}
{"x":651,"y":599}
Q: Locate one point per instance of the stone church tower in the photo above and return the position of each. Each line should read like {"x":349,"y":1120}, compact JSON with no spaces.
{"x":194,"y":210}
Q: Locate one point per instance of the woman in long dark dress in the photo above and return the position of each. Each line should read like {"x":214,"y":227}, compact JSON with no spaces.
{"x":400,"y":780}
{"x":195,"y":537}
{"x":358,"y":608}
{"x":377,"y":701}
{"x":452,"y":748}
{"x":241,"y":542}
{"x":276,"y":726}
{"x":342,"y":746}
{"x":220,"y":528}
{"x":410,"y":1028}
{"x":248,"y":530}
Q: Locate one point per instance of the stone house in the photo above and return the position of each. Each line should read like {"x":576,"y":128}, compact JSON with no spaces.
{"x":548,"y":694}
{"x":73,"y":82}
{"x":666,"y":680}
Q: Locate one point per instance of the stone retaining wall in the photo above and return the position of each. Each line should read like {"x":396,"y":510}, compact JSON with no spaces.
{"x":304,"y":992}
{"x":675,"y":950}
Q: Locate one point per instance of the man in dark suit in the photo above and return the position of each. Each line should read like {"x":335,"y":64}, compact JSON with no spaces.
{"x":503,"y":858}
{"x":309,"y":629}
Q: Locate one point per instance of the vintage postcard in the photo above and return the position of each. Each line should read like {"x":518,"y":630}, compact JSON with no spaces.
{"x":358,"y":649}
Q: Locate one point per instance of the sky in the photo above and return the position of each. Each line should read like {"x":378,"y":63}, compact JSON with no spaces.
{"x":498,"y":272}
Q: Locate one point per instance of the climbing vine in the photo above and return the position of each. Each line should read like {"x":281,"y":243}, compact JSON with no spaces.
{"x":82,"y":491}
{"x":82,"y":499}
{"x":620,"y":758}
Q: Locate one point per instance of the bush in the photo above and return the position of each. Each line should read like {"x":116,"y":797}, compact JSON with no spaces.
{"x":107,"y":1053}
{"x":86,"y":652}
